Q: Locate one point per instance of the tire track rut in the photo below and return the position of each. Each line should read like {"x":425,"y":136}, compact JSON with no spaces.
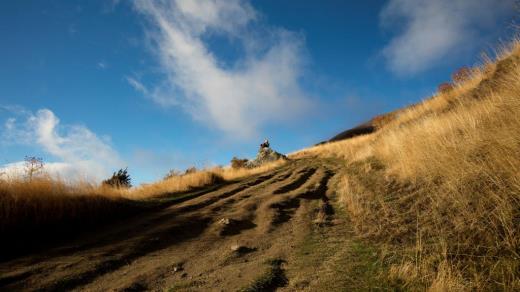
{"x":305,"y":175}
{"x":286,"y":208}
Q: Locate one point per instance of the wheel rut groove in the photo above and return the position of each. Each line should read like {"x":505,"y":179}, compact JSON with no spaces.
{"x":191,"y":227}
{"x":230,"y":201}
{"x":321,"y":190}
{"x":305,"y":175}
{"x":211,"y":200}
{"x":285,"y":209}
{"x":4,"y":281}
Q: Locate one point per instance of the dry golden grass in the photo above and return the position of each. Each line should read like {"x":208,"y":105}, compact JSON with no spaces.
{"x":46,"y":201}
{"x":440,"y":183}
{"x":183,"y":183}
{"x":176,"y":184}
{"x":229,"y":174}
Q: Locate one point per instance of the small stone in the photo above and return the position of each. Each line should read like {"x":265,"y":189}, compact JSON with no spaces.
{"x":225,"y":221}
{"x":236,"y":247}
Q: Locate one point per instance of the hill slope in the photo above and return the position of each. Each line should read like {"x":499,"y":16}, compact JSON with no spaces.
{"x":438,"y":185}
{"x":278,"y":229}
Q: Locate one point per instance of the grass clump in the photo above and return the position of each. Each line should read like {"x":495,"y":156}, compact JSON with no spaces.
{"x":270,"y":280}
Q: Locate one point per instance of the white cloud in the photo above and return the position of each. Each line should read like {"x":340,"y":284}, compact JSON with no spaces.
{"x":102,"y":65}
{"x":137,"y":85}
{"x":261,"y":86}
{"x":162,"y":94}
{"x":431,"y":30}
{"x":81,"y":153}
{"x":79,"y":171}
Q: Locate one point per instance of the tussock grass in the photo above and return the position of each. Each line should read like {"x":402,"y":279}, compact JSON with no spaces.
{"x":439,"y":183}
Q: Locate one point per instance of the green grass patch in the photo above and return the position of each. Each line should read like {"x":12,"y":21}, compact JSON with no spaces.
{"x":332,"y":258}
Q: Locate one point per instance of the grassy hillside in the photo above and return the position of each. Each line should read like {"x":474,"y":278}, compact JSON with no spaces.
{"x":438,"y":184}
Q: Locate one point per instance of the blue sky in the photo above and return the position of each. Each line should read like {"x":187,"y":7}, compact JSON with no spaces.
{"x":92,"y":86}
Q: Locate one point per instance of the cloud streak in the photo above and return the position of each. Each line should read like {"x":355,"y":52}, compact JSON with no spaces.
{"x":81,"y":153}
{"x":262,"y":86}
{"x":431,"y":30}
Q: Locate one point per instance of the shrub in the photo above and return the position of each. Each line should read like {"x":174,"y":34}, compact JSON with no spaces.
{"x":189,"y":170}
{"x":33,"y":165}
{"x":461,"y":75}
{"x":237,"y":163}
{"x":119,"y":179}
{"x":172,"y":173}
{"x":444,"y":87}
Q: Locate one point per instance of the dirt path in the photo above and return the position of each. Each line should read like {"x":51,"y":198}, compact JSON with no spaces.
{"x":281,"y":229}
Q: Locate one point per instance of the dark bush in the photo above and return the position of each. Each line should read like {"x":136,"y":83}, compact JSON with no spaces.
{"x":444,"y":87}
{"x":238,"y":163}
{"x":189,"y":170}
{"x":120,"y":179}
{"x":461,"y":75}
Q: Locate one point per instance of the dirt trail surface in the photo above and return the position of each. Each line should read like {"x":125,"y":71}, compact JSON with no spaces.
{"x":280,"y":230}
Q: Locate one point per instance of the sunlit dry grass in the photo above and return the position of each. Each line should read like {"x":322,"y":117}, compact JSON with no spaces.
{"x":197,"y":179}
{"x":46,"y":201}
{"x":440,"y":183}
{"x":172,"y":185}
{"x":233,"y":174}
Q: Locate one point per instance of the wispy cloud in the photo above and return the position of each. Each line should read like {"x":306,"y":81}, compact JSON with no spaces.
{"x":79,"y":151}
{"x":102,"y":65}
{"x":430,"y":30}
{"x":261,"y":86}
{"x":163,"y":94}
{"x":137,"y":85}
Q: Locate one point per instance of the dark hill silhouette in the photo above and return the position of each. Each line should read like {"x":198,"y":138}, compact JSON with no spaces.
{"x":362,"y":129}
{"x":365,"y":128}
